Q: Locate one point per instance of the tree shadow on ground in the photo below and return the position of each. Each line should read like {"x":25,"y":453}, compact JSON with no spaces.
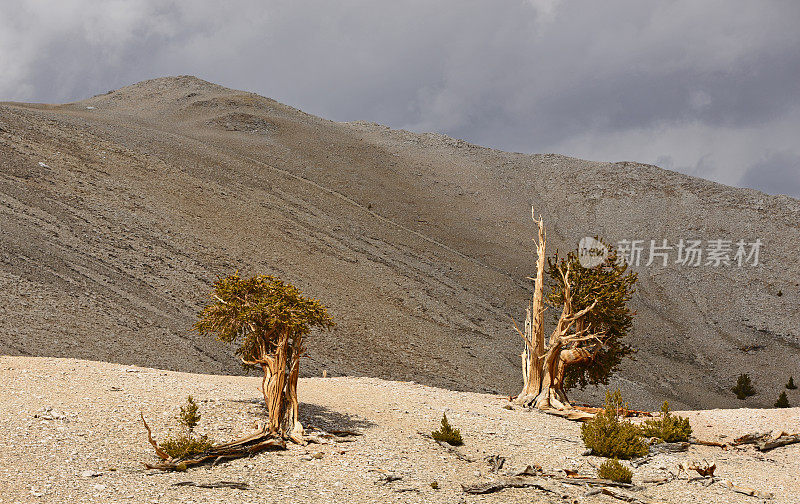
{"x":314,"y":415}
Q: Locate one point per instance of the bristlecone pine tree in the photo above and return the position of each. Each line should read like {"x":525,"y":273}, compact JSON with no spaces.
{"x":790,"y":384}
{"x":269,"y":319}
{"x":586,"y":345}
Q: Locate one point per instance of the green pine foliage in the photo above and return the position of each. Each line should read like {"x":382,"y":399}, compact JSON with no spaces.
{"x":189,"y":416}
{"x":447,"y":433}
{"x":669,"y":428}
{"x":612,"y":470}
{"x":612,"y":286}
{"x":254,"y":312}
{"x":790,"y":385}
{"x":609,"y":434}
{"x":783,"y":401}
{"x":744,"y":387}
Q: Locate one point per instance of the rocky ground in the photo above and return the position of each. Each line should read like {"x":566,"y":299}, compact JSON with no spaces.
{"x":72,"y":433}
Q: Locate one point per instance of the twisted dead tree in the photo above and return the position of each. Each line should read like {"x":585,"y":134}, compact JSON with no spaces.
{"x":585,"y":346}
{"x":269,"y":320}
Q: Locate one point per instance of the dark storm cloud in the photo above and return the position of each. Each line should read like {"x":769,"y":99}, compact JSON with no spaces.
{"x":707,"y":88}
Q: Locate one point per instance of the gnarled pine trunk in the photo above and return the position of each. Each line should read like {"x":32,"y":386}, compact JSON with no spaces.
{"x":533,"y":353}
{"x":281,"y":372}
{"x":544,"y":366}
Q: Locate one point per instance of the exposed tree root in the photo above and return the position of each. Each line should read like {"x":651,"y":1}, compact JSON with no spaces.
{"x":573,"y":414}
{"x":245,"y":447}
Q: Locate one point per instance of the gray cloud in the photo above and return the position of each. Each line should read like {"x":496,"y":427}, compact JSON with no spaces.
{"x":707,"y":88}
{"x":778,"y":173}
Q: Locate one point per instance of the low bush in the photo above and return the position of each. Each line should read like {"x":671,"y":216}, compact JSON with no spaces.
{"x":612,"y":470}
{"x":447,"y":434}
{"x":669,"y":428}
{"x":608,"y":434}
{"x":184,"y":445}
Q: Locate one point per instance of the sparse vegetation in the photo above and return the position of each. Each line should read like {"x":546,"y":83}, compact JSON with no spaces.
{"x":744,"y":387}
{"x":790,"y":385}
{"x":435,"y":485}
{"x":186,"y":444}
{"x":669,"y":428}
{"x":447,"y":434}
{"x":783,"y":401}
{"x":613,"y":470}
{"x":609,"y":434}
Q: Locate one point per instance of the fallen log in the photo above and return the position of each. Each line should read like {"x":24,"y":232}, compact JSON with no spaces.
{"x":625,"y":413}
{"x":502,"y":482}
{"x":745,"y":490}
{"x":624,"y":496}
{"x":218,"y":484}
{"x":766,"y":441}
{"x":574,"y":414}
{"x":783,"y":440}
{"x":701,"y":442}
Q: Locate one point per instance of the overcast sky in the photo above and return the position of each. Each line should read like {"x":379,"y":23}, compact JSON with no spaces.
{"x":708,"y":88}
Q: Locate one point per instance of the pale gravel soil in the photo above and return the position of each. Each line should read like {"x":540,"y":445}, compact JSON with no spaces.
{"x":47,"y":460}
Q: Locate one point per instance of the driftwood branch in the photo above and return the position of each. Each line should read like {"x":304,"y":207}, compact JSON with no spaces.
{"x":745,"y":490}
{"x":161,"y":453}
{"x":624,"y":496}
{"x":218,"y":484}
{"x":502,"y":482}
{"x":768,"y":440}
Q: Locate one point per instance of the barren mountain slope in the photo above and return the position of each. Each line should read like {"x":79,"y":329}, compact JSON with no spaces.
{"x":420,"y":244}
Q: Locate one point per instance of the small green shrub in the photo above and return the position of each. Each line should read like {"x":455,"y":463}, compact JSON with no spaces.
{"x":608,"y":435}
{"x":669,"y":428}
{"x":435,"y":485}
{"x":189,"y":416}
{"x":612,"y":470}
{"x":783,"y":401}
{"x":447,"y":434}
{"x":791,"y":385}
{"x":183,"y":445}
{"x":744,"y":387}
{"x":187,"y":444}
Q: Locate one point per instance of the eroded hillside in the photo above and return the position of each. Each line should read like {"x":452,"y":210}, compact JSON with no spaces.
{"x":119,"y":211}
